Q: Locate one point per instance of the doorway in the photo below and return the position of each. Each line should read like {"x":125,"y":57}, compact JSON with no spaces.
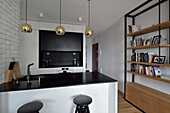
{"x":95,"y":58}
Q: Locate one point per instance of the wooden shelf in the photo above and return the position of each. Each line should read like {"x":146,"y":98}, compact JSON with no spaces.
{"x":154,"y":28}
{"x":149,"y":76}
{"x":149,"y":46}
{"x":146,"y":63}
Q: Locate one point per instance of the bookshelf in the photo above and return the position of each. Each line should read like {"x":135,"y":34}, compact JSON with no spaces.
{"x":151,"y":29}
{"x":132,"y":90}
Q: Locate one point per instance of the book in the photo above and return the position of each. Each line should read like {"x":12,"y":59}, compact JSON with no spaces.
{"x":134,"y":43}
{"x":136,"y":68}
{"x":131,"y":45}
{"x":133,"y":57}
{"x":137,"y":57}
{"x":133,"y":67}
{"x":156,"y":71}
{"x":150,"y":70}
{"x":147,"y":70}
{"x":143,"y":69}
{"x":139,"y":42}
{"x":142,"y":59}
{"x":146,"y":57}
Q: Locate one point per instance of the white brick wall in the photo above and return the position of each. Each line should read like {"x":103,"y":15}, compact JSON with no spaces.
{"x":9,"y":33}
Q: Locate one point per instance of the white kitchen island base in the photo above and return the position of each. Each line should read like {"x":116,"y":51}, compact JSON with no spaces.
{"x":60,"y":99}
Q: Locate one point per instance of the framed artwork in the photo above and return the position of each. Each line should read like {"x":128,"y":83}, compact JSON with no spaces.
{"x":147,"y":41}
{"x":156,"y":59}
{"x":156,"y":39}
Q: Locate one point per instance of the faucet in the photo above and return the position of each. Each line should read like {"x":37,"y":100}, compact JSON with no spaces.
{"x":29,"y":73}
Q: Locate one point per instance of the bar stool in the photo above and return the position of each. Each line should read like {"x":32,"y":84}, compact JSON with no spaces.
{"x":82,"y":102}
{"x":32,"y":107}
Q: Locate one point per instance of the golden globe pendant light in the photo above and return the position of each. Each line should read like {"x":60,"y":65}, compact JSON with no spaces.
{"x":60,"y":30}
{"x":26,"y":27}
{"x":89,"y":32}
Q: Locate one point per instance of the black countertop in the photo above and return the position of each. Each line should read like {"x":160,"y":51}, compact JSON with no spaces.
{"x":57,"y":80}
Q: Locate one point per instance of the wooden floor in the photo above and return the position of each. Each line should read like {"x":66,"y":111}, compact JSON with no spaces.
{"x":125,"y":107}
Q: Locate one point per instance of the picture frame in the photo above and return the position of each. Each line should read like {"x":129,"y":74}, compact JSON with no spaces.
{"x":156,"y":59}
{"x":147,"y":41}
{"x":156,"y":39}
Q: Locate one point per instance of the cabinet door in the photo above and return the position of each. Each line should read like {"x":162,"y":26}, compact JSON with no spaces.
{"x":132,"y":94}
{"x":148,"y":103}
{"x":164,"y":107}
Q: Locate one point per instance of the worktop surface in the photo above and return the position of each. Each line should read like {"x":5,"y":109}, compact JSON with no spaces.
{"x":57,"y":80}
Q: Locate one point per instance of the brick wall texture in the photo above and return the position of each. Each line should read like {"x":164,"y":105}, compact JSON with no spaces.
{"x":9,"y":33}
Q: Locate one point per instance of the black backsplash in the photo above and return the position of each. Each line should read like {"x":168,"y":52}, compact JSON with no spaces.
{"x":60,"y":51}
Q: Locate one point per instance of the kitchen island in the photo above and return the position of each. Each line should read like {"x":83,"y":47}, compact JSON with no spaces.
{"x":57,"y":91}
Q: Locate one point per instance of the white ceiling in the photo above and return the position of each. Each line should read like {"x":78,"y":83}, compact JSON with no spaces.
{"x":104,"y":13}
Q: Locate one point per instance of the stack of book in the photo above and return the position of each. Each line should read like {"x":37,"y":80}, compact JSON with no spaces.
{"x":145,"y":69}
{"x":142,"y":57}
{"x":136,"y":42}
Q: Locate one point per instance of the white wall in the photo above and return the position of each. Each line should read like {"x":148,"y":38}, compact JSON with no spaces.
{"x":29,"y":47}
{"x":89,"y":54}
{"x":111,"y":45}
{"x":9,"y":33}
{"x":111,"y":52}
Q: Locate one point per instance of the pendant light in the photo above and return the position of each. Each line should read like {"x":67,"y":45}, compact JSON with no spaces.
{"x":60,"y":30}
{"x":26,"y":27}
{"x":89,"y":32}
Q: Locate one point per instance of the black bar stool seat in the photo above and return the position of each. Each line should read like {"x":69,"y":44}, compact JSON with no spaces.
{"x":32,"y":107}
{"x":82,"y":102}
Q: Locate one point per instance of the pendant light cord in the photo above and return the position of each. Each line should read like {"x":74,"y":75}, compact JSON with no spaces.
{"x":60,"y":12}
{"x":89,"y":14}
{"x":26,"y":11}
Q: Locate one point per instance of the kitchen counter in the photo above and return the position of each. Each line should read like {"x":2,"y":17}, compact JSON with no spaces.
{"x":57,"y":80}
{"x":58,"y":90}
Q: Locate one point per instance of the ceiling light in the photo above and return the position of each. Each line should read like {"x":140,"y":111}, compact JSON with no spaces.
{"x":60,"y":30}
{"x":89,"y":32}
{"x":26,"y":27}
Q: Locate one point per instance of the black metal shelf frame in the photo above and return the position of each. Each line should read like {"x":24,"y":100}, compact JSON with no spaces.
{"x":129,"y":15}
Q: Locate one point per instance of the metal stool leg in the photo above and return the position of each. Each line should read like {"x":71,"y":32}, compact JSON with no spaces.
{"x":88,"y":111}
{"x":76,"y":109}
{"x":81,"y":109}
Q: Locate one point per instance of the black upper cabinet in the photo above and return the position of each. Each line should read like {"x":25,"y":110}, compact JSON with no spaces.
{"x":60,"y":51}
{"x":49,"y":41}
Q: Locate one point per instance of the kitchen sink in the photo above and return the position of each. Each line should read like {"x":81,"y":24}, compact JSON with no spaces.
{"x":24,"y":78}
